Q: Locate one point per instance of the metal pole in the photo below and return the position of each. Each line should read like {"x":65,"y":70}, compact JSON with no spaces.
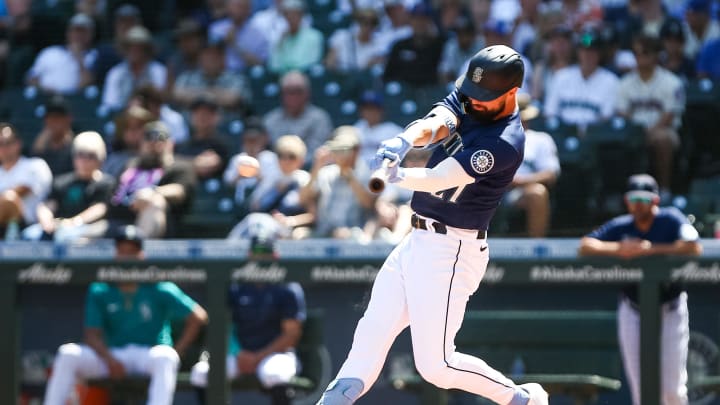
{"x":217,"y":335}
{"x":9,"y":349}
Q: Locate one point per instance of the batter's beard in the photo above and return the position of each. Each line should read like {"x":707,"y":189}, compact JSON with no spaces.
{"x":485,"y":117}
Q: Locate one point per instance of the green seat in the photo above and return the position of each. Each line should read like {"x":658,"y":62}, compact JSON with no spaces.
{"x":572,"y":353}
{"x":212,"y":213}
{"x":399,"y":102}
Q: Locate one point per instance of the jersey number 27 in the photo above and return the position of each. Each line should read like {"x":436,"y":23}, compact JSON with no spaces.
{"x":449,"y":195}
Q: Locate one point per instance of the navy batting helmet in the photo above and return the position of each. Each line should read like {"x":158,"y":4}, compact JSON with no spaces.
{"x":492,"y":72}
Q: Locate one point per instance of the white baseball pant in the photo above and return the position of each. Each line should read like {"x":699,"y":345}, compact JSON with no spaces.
{"x":675,"y":336}
{"x":273,"y":370}
{"x":80,"y":361}
{"x":425,"y":283}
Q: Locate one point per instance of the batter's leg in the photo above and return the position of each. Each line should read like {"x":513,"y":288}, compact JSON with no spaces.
{"x":438,"y":287}
{"x":72,"y":361}
{"x":675,"y":338}
{"x":629,"y":337}
{"x":385,"y":317}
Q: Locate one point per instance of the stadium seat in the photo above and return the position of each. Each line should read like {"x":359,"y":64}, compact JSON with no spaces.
{"x":700,"y":129}
{"x":265,"y":90}
{"x":212,"y":214}
{"x":400,"y":105}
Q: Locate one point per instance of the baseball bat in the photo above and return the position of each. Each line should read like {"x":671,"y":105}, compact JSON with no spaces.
{"x":379,"y":177}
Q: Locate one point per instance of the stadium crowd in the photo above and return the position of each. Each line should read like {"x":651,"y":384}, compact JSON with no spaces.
{"x":263,"y":114}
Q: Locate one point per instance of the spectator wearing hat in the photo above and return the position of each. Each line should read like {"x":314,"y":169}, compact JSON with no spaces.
{"x":137,"y":69}
{"x":245,"y":44}
{"x":557,"y":55}
{"x":654,"y":98}
{"x":129,"y":132}
{"x":67,"y":69}
{"x":673,"y":56}
{"x":460,"y":47}
{"x":499,"y":32}
{"x":156,"y":188}
{"x":152,"y":99}
{"x":357,"y":47}
{"x":78,"y":200}
{"x":53,"y":143}
{"x":24,"y":182}
{"x":208,"y":149}
{"x":127,"y":332}
{"x":372,"y":126}
{"x":584,"y":93}
{"x":337,"y":192}
{"x":415,"y":60}
{"x":700,"y":27}
{"x":296,"y":114}
{"x":213,"y":80}
{"x":300,"y":46}
{"x":110,"y":53}
{"x":649,"y":230}
{"x":190,"y":40}
{"x":538,"y":173}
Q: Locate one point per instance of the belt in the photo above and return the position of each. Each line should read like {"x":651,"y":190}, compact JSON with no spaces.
{"x":439,"y":227}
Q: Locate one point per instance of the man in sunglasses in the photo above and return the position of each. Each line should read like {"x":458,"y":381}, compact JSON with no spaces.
{"x":649,"y":230}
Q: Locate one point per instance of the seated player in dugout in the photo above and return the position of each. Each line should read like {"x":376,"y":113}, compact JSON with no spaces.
{"x":127,"y":332}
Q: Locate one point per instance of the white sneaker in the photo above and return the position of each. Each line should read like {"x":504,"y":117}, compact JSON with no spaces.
{"x":538,"y":396}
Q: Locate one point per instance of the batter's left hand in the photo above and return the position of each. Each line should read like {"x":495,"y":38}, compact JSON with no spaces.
{"x":393,"y":149}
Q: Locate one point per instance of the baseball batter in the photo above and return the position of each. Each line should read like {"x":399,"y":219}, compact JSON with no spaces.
{"x":650,"y":230}
{"x":427,"y":280}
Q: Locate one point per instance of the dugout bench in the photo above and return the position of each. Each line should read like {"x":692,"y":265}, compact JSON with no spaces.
{"x":309,"y":384}
{"x":573,"y":353}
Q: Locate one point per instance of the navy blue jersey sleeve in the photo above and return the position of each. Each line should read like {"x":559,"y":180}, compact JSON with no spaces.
{"x":610,"y":231}
{"x":676,"y":216}
{"x":452,"y":103}
{"x":293,"y":303}
{"x":488,"y":157}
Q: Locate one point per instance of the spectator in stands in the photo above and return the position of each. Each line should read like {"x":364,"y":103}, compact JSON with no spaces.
{"x":649,"y":230}
{"x":700,"y":27}
{"x":673,"y":57}
{"x":415,"y":60}
{"x":644,"y":16}
{"x":530,"y":188}
{"x":137,"y":69}
{"x":297,"y":115}
{"x":24,"y":182}
{"x":212,"y":80}
{"x":267,"y":322}
{"x":498,"y":32}
{"x":129,"y":130}
{"x":526,"y":25}
{"x":127,"y":332}
{"x":207,"y":148}
{"x":300,"y":46}
{"x":239,"y":172}
{"x":337,"y":192}
{"x":156,"y":188}
{"x":395,"y":24}
{"x":190,"y":41}
{"x":582,"y":13}
{"x":557,"y":56}
{"x":152,"y":99}
{"x":78,"y":200}
{"x":654,"y":98}
{"x":110,"y":54}
{"x":245,"y":44}
{"x":708,"y":65}
{"x":357,"y":47}
{"x":615,"y":59}
{"x":372,"y":126}
{"x":54,"y":142}
{"x":584,"y":93}
{"x":67,"y":69}
{"x":459,"y":48}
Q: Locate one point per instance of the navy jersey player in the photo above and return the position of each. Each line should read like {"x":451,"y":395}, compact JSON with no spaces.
{"x":650,"y":230}
{"x":427,"y":279}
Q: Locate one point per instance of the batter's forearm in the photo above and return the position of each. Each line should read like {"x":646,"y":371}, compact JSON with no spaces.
{"x":436,"y":126}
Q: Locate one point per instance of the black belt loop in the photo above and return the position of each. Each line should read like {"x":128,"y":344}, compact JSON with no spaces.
{"x":437,"y":227}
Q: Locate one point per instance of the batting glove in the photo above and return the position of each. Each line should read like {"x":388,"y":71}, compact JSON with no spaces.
{"x":393,"y":149}
{"x":395,"y":173}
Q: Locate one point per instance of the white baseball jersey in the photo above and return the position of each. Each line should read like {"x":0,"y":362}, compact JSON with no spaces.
{"x":33,"y":173}
{"x":540,"y":154}
{"x":646,"y":102}
{"x":579,"y":100}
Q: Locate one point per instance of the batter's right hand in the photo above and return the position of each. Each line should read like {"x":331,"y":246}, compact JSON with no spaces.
{"x":393,"y":149}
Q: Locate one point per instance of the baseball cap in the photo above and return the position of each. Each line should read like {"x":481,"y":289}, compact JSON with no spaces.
{"x":129,"y":233}
{"x":82,"y":20}
{"x":156,"y":131}
{"x":698,"y":6}
{"x":643,"y":186}
{"x":672,"y":28}
{"x":187,"y":27}
{"x":499,"y":27}
{"x":204,"y":102}
{"x":344,"y":138}
{"x":57,"y":105}
{"x":127,"y":10}
{"x":371,"y":97}
{"x":528,"y":111}
{"x":590,"y":39}
{"x":138,"y":35}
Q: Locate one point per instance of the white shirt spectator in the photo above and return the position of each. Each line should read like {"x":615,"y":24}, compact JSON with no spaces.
{"x":353,"y":54}
{"x":646,"y":102}
{"x":120,"y":83}
{"x":314,"y":125}
{"x":248,"y":38}
{"x":540,"y":154}
{"x":33,"y":173}
{"x":370,"y":137}
{"x":337,"y":201}
{"x":693,"y":44}
{"x":176,"y":124}
{"x":577,"y":100}
{"x":58,"y":70}
{"x":273,"y":24}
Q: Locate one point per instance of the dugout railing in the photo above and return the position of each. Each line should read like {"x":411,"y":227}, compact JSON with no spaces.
{"x":216,"y":275}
